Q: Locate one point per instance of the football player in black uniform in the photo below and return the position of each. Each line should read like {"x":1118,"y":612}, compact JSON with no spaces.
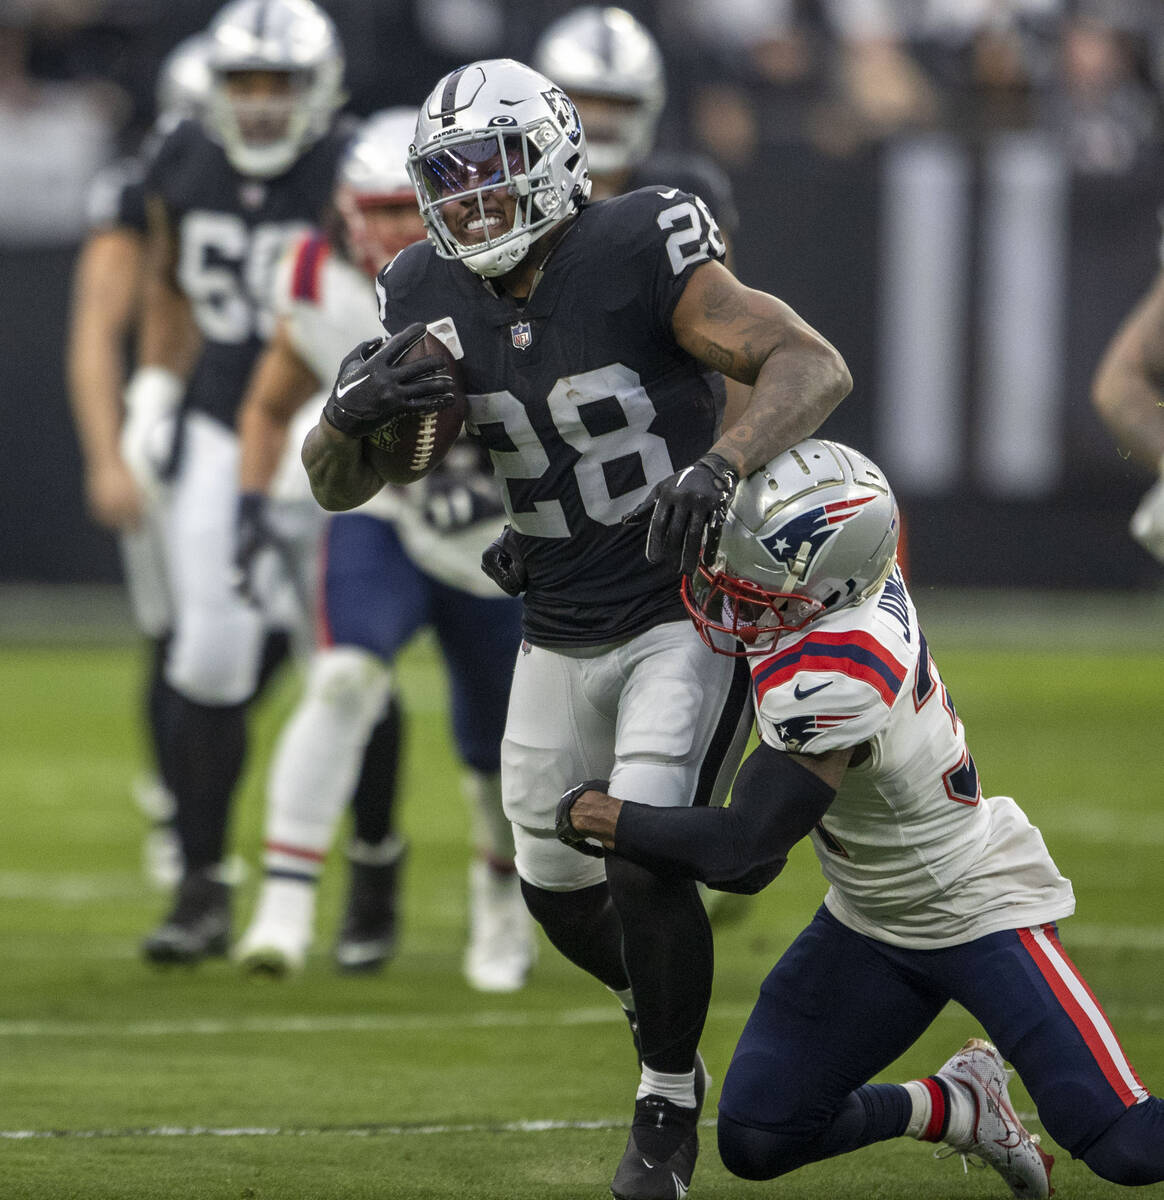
{"x":223,"y":196}
{"x":594,"y":339}
{"x":610,"y":65}
{"x":102,"y":320}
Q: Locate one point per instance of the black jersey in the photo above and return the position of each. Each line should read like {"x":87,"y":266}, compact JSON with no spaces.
{"x":584,"y":400}
{"x":232,"y":231}
{"x":694,"y":173}
{"x":116,"y":197}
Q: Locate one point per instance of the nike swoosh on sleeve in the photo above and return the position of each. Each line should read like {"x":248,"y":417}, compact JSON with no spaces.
{"x":803,"y":694}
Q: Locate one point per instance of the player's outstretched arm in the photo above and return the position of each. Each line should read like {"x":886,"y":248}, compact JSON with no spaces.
{"x":1128,"y":388}
{"x":280,"y":385}
{"x":776,"y":800}
{"x":796,"y":376}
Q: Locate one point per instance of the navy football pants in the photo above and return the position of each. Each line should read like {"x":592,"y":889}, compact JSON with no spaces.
{"x":377,"y":598}
{"x":838,"y":1008}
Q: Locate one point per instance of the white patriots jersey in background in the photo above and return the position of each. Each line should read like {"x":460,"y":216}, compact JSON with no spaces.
{"x":914,"y":853}
{"x":327,"y":306}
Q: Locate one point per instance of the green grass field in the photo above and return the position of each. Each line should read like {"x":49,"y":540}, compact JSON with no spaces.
{"x":120,"y":1081}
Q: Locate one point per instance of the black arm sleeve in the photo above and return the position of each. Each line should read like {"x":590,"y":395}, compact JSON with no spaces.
{"x":740,"y":848}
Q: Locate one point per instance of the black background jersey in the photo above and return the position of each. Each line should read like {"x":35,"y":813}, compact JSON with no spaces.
{"x":583,"y":399}
{"x":693,"y":173}
{"x":231,"y":232}
{"x":116,"y":198}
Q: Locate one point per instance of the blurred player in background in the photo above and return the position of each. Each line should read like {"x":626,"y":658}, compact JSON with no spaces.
{"x":594,"y":337}
{"x":224,"y":197}
{"x":407,"y":559}
{"x":610,"y":65}
{"x":1128,"y":394}
{"x":937,"y":892}
{"x":103,"y":319}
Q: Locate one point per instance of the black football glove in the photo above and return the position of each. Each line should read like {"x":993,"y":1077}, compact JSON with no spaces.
{"x":563,"y":827}
{"x":503,"y":563}
{"x":253,"y":535}
{"x":373,"y":388}
{"x":682,"y":507}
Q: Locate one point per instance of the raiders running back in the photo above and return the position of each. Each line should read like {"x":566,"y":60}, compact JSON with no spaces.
{"x":582,"y":416}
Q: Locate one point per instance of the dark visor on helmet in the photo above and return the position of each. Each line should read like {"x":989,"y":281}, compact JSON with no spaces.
{"x":488,"y":162}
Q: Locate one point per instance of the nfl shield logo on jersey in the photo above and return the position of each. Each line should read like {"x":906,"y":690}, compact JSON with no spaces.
{"x":522,"y":335}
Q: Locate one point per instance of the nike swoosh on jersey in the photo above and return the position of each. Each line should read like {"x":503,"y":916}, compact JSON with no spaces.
{"x":343,"y":391}
{"x":803,"y":694}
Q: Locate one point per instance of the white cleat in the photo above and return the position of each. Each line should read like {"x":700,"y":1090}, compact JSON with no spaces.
{"x":501,"y":947}
{"x":278,"y":938}
{"x":997,"y":1136}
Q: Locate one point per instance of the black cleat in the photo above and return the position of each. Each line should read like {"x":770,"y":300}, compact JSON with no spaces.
{"x":367,"y":938}
{"x":660,"y":1124}
{"x":198,"y":926}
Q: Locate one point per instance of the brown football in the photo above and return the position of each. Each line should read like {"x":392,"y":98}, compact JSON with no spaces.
{"x":410,"y":447}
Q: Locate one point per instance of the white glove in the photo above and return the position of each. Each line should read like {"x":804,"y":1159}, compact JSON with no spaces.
{"x":1147,"y":523}
{"x":147,"y":437}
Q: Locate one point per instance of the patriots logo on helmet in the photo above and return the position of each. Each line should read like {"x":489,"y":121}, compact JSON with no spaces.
{"x":813,"y":528}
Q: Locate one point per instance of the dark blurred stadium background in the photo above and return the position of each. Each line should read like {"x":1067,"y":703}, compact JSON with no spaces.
{"x":962,"y":195}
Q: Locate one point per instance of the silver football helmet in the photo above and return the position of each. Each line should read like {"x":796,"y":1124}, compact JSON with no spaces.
{"x":264,"y":135}
{"x":184,"y":79}
{"x":374,"y":174}
{"x":812,"y":531}
{"x":606,"y":53}
{"x":490,"y":126}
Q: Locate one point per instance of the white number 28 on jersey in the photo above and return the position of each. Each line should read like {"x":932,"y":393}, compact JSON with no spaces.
{"x":694,"y":234}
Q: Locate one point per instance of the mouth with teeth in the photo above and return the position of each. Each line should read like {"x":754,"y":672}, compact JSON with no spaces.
{"x":478,"y":228}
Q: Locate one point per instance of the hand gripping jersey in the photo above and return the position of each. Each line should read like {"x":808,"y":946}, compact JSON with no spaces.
{"x":914,"y":853}
{"x":231,"y":233}
{"x":583,"y":399}
{"x":328,"y":305}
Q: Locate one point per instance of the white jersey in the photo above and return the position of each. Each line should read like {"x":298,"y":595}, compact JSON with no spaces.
{"x":914,"y":853}
{"x":327,"y":306}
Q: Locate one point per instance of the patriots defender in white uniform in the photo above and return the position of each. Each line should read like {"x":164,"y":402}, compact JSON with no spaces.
{"x":595,"y":338}
{"x":937,"y":892}
{"x":406,"y":558}
{"x":224,"y":195}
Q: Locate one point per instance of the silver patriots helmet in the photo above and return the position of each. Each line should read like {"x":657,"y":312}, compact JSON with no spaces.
{"x":608,"y":54}
{"x":374,"y":174}
{"x":490,"y":125}
{"x":263,"y":137}
{"x":812,"y":531}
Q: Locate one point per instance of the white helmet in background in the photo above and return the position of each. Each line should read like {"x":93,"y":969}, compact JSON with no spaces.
{"x":812,"y":531}
{"x":606,"y":53}
{"x":263,"y":136}
{"x":374,"y":174}
{"x":498,"y":124}
{"x":184,"y":79}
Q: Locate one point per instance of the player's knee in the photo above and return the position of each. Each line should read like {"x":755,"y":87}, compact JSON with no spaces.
{"x":753,"y":1153}
{"x":351,"y":681}
{"x":1131,"y":1152}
